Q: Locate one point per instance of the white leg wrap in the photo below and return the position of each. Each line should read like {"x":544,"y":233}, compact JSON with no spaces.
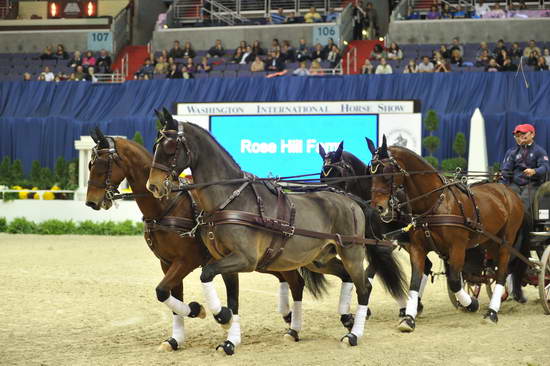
{"x":423,"y":283}
{"x":212,"y":300}
{"x":412,"y":304}
{"x":359,"y":323}
{"x":463,"y":298}
{"x":510,"y":283}
{"x":234,"y":332}
{"x":177,"y":306}
{"x":178,"y":332}
{"x":345,"y":297}
{"x":496,"y":298}
{"x":402,"y":302}
{"x":284,"y":307}
{"x":296,"y":322}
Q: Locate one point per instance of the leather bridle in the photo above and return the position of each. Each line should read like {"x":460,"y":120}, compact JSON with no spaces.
{"x":172,"y":143}
{"x":390,"y":169}
{"x":342,"y":167}
{"x":105,"y":165}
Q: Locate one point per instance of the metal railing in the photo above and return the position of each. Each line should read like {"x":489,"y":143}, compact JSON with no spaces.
{"x":217,"y":12}
{"x":110,"y":78}
{"x":124,"y":66}
{"x":120,"y":28}
{"x":351,"y":61}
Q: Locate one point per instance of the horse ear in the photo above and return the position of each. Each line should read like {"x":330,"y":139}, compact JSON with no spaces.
{"x":322,"y":151}
{"x":170,"y":122}
{"x":384,"y":142}
{"x":103,"y":143}
{"x":338,"y":152}
{"x":160,"y":116}
{"x":371,"y":146}
{"x":93,"y":135}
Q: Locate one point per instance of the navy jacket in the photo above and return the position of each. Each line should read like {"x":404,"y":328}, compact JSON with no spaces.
{"x":519,"y":158}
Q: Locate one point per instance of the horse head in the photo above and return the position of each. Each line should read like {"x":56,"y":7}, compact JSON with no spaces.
{"x":334,"y":165}
{"x":171,"y":155}
{"x":106,"y":172}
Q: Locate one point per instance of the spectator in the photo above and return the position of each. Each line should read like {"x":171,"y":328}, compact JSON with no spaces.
{"x":164,"y":53}
{"x":522,"y":5}
{"x":483,"y":47}
{"x":48,"y":54}
{"x":394,"y":52}
{"x":531,"y":46}
{"x":501,"y":56}
{"x":174,"y":72}
{"x":425,"y":65}
{"x":444,"y":51}
{"x":456,"y":58}
{"x":328,"y":46}
{"x":541,"y":64}
{"x":332,"y":15}
{"x":258,"y":65}
{"x":312,"y":16}
{"x":459,"y":13}
{"x":257,"y":50}
{"x":275,"y":45}
{"x":72,"y":77}
{"x":188,"y":51}
{"x":90,"y":76}
{"x":301,"y":70}
{"x":383,"y":67}
{"x":371,"y":21}
{"x":176,"y":51}
{"x":440,"y":63}
{"x":498,"y":12}
{"x":302,"y":53}
{"x":446,"y":12}
{"x":483,"y":59}
{"x":492,"y":66}
{"x":378,"y":52}
{"x":237,"y":56}
{"x":368,"y":67}
{"x":103,"y":62}
{"x":288,"y":53}
{"x":334,"y":56}
{"x":191,"y":66}
{"x":274,"y":62}
{"x":533,"y":58}
{"x":79,"y":73}
{"x":60,"y":53}
{"x":433,"y":13}
{"x":146,"y":69}
{"x":315,"y":68}
{"x":88,"y":60}
{"x":292,"y":18}
{"x":162,"y":66}
{"x":359,"y":18}
{"x":499,"y":47}
{"x":216,"y":50}
{"x":546,"y":55}
{"x":318,"y":53}
{"x":185,"y":73}
{"x":48,"y":75}
{"x":41,"y":77}
{"x":481,"y":8}
{"x":411,"y":67}
{"x":152,"y":58}
{"x":204,"y":66}
{"x":456,"y":46}
{"x":76,"y":60}
{"x":27,"y":76}
{"x":515,"y":51}
{"x":278,"y":17}
{"x":171,"y":61}
{"x":507,"y":64}
{"x":412,"y":14}
{"x":246,"y":57}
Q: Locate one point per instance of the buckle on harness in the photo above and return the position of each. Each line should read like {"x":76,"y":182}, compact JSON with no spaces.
{"x":288,"y":233}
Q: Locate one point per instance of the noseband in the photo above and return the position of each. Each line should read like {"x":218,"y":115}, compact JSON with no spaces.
{"x":390,"y":168}
{"x":343,"y":168}
{"x":171,"y":142}
{"x":112,"y":156}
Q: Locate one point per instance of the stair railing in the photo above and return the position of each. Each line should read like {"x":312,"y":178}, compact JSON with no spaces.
{"x":351,"y":60}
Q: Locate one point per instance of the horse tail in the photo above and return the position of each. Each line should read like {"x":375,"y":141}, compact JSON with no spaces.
{"x":518,"y":266}
{"x":316,"y":283}
{"x":385,"y":263}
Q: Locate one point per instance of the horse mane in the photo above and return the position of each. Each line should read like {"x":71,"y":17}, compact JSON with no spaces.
{"x":412,"y":154}
{"x":353,"y":160}
{"x":209,"y":135}
{"x":135,"y":145}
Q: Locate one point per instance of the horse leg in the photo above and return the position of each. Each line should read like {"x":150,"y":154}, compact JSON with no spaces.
{"x":455,"y":265}
{"x":170,"y":292}
{"x":283,"y":307}
{"x":491,"y":316}
{"x":231,"y":281}
{"x":233,"y":263}
{"x":417,"y":257}
{"x":296,"y":283}
{"x":427,"y":271}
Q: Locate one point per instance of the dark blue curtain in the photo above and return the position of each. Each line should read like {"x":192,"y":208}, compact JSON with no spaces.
{"x":40,"y":121}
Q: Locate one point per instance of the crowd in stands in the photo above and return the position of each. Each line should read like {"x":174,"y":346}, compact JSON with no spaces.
{"x":58,"y":65}
{"x":278,"y":59}
{"x":443,"y":10}
{"x":453,"y":57}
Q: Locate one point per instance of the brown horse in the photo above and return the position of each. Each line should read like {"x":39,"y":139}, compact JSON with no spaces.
{"x":448,"y":218}
{"x":166,"y":223}
{"x":242,"y":219}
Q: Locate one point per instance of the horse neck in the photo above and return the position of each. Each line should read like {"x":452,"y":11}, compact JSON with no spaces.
{"x":211,"y":163}
{"x":362,"y":186}
{"x":136,"y":164}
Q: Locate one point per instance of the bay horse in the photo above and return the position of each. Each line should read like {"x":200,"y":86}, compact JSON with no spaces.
{"x":341,"y":163}
{"x":168,"y":227}
{"x":448,"y":218}
{"x":249,"y":228}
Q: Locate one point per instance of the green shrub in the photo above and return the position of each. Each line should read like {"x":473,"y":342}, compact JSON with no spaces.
{"x":61,"y":178}
{"x":3,"y":224}
{"x":459,"y":144}
{"x":20,"y":225}
{"x":16,"y":173}
{"x":431,"y":143}
{"x":450,"y":165}
{"x":5,"y":171}
{"x":433,"y":161}
{"x":138,"y":138}
{"x":56,"y":227}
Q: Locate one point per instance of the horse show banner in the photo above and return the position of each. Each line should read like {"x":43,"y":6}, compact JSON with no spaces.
{"x":283,"y":139}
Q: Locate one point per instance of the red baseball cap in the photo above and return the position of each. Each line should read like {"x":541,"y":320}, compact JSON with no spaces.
{"x":524,"y":128}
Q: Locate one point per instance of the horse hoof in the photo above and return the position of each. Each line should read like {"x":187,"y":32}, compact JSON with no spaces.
{"x":521,"y":299}
{"x":473,"y":307}
{"x":168,"y":345}
{"x":291,"y":335}
{"x":491,"y":317}
{"x":402,"y":313}
{"x":347,"y":320}
{"x":224,"y":317}
{"x":228,"y":347}
{"x":407,"y":324}
{"x":419,"y":308}
{"x":349,"y":339}
{"x":369,"y":313}
{"x":197,"y":310}
{"x":288,"y":318}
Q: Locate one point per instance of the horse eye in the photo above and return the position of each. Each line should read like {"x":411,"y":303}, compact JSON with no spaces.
{"x":169,"y":146}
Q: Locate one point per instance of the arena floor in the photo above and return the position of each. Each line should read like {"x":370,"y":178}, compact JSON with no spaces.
{"x":85,"y":300}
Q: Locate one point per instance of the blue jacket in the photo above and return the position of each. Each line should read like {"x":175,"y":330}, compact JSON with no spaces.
{"x":518,"y":158}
